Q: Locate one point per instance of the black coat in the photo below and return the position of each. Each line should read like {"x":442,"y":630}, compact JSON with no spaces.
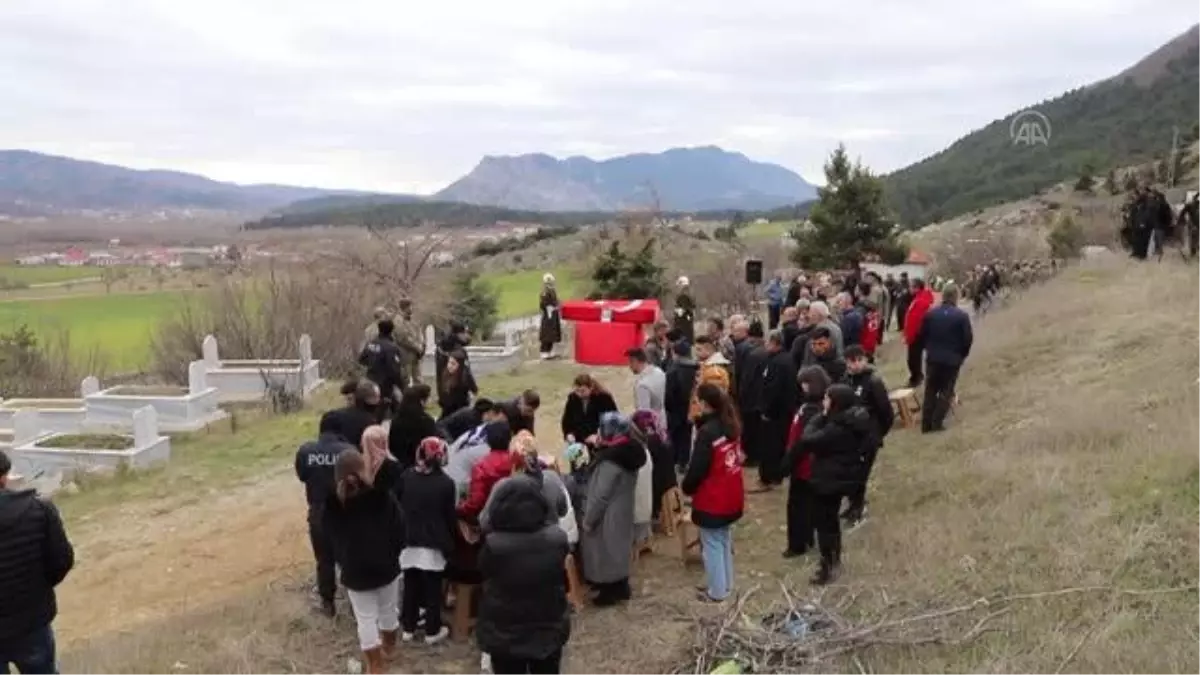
{"x":550,"y":325}
{"x":427,"y":501}
{"x":946,"y":336}
{"x":749,"y":371}
{"x":684,"y":320}
{"x":838,"y":444}
{"x":366,"y":535}
{"x":454,"y":396}
{"x":663,"y":476}
{"x":790,"y":331}
{"x":800,"y":344}
{"x":779,"y":387}
{"x":384,"y":361}
{"x":388,"y":476}
{"x":853,"y":322}
{"x":459,"y":423}
{"x":873,"y":393}
{"x":409,"y":428}
{"x":523,"y":610}
{"x":580,"y":421}
{"x":314,"y":468}
{"x":833,"y":365}
{"x":353,"y":420}
{"x":681,"y":379}
{"x":35,"y":556}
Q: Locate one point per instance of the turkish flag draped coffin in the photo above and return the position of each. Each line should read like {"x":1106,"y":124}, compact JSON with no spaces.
{"x":605,"y":329}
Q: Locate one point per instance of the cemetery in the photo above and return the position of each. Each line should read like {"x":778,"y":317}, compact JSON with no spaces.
{"x":180,"y":409}
{"x":237,"y":380}
{"x":36,"y":452}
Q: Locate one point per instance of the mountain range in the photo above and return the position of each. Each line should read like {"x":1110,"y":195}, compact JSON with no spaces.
{"x":1123,"y":120}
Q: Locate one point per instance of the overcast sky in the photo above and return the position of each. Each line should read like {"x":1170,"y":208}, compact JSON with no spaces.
{"x":407,"y":95}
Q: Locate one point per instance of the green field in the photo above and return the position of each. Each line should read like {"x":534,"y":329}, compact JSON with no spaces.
{"x":769,"y":230}
{"x":44,"y":274}
{"x":118,"y":326}
{"x":519,"y":291}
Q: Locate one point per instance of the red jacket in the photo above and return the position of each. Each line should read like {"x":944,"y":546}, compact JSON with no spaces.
{"x":497,"y":465}
{"x":921,"y":303}
{"x":714,"y":478}
{"x":870,"y":334}
{"x":803,"y":468}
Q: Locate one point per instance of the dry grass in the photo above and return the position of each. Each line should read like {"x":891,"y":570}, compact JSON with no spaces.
{"x":1070,"y":463}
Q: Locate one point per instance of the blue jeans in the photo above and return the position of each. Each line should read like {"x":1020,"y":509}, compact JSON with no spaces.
{"x":32,"y":653}
{"x":716,"y":545}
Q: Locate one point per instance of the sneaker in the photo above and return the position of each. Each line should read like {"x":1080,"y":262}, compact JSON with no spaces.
{"x":703,"y":596}
{"x":438,"y":636}
{"x":856,"y":522}
{"x":827,"y":574}
{"x":485,"y":663}
{"x":406,"y":637}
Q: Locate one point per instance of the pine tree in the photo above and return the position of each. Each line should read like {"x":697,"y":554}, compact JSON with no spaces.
{"x":849,"y":220}
{"x":475,"y":303}
{"x":619,"y":276}
{"x":1086,"y":182}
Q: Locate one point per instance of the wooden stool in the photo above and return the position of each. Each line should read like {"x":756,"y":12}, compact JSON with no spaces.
{"x":668,"y":514}
{"x":461,"y":622}
{"x":574,"y":583}
{"x":906,"y":404}
{"x":689,"y":536}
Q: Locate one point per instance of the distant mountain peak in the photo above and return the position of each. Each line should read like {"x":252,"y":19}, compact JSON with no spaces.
{"x":684,"y":179}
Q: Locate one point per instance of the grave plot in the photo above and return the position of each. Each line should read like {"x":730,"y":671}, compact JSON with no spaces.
{"x":35,"y":452}
{"x":55,"y":414}
{"x":254,"y":379}
{"x":179,"y":409}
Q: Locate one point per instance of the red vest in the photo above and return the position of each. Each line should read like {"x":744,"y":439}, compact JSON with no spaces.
{"x":722,"y":493}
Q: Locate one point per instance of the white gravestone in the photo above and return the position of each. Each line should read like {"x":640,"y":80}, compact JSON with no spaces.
{"x":212,"y":358}
{"x":305,"y":349}
{"x":430,"y":341}
{"x":197,"y":377}
{"x":145,"y":427}
{"x":89,"y":386}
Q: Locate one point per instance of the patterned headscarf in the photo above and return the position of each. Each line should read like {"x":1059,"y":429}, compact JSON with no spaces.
{"x":648,"y":423}
{"x":431,"y":454}
{"x":525,"y":454}
{"x":614,"y":428}
{"x":577,"y":456}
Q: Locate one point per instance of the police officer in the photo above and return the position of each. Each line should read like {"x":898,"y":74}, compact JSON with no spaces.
{"x":314,"y":467}
{"x":384,"y":361}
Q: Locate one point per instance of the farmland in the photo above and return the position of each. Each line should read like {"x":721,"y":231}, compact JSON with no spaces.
{"x":518,"y":291}
{"x":45,"y":274}
{"x":118,"y":327}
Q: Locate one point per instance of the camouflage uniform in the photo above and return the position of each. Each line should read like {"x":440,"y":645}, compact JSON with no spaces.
{"x":411,"y":339}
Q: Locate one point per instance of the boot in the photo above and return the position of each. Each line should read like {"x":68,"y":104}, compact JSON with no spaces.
{"x":373,"y":659}
{"x":828,"y":573}
{"x":389,"y":643}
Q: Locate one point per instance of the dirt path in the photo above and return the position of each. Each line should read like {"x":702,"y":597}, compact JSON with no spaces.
{"x":150,"y":560}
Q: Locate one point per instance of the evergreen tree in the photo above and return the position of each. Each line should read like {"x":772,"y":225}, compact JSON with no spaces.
{"x":849,"y":220}
{"x":1110,"y":182}
{"x":475,"y":303}
{"x":1086,"y":182}
{"x":620,"y":276}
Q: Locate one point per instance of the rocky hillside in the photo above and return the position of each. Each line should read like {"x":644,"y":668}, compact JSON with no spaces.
{"x":681,"y":179}
{"x":35,"y":184}
{"x":1123,"y":120}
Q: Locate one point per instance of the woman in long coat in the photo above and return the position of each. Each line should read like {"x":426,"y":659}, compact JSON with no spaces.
{"x":550,"y":328}
{"x":685,"y":311}
{"x":607,"y":539}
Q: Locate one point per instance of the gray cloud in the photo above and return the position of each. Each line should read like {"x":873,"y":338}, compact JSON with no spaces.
{"x":408,"y":96}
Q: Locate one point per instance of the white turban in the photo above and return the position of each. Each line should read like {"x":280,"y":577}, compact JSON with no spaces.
{"x":683,"y":281}
{"x":547,"y":278}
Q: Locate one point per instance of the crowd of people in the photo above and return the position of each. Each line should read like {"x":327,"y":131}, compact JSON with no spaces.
{"x":1149,"y":223}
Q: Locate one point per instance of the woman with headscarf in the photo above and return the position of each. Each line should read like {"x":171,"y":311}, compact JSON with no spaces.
{"x":550,"y":326}
{"x":527,"y":465}
{"x":578,"y":462}
{"x":662,"y":456}
{"x":643,"y":492}
{"x":365,"y":528}
{"x":384,"y":470}
{"x":607,"y":538}
{"x":428,"y":499}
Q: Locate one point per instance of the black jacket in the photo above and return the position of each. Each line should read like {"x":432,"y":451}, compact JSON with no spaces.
{"x":459,"y":423}
{"x":366,"y":534}
{"x":582,"y":422}
{"x":681,"y":379}
{"x":663,"y":476}
{"x":946,"y":336}
{"x":838,"y":444}
{"x":749,"y":374}
{"x":517,"y":421}
{"x":523,"y":610}
{"x":779,"y":387}
{"x":408,"y":429}
{"x":833,"y":365}
{"x":790,"y":331}
{"x":799,"y":345}
{"x":873,"y":393}
{"x":852,"y":323}
{"x":384,"y":361}
{"x":455,"y":396}
{"x":388,"y":476}
{"x":314,"y":467}
{"x":353,"y":420}
{"x":35,"y":556}
{"x":709,"y":429}
{"x":427,"y":501}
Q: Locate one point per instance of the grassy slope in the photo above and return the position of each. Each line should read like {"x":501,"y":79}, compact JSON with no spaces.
{"x":1071,"y":462}
{"x":518,"y":291}
{"x":118,"y":326}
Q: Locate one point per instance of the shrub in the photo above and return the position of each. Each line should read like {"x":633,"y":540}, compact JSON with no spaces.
{"x":1066,"y":238}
